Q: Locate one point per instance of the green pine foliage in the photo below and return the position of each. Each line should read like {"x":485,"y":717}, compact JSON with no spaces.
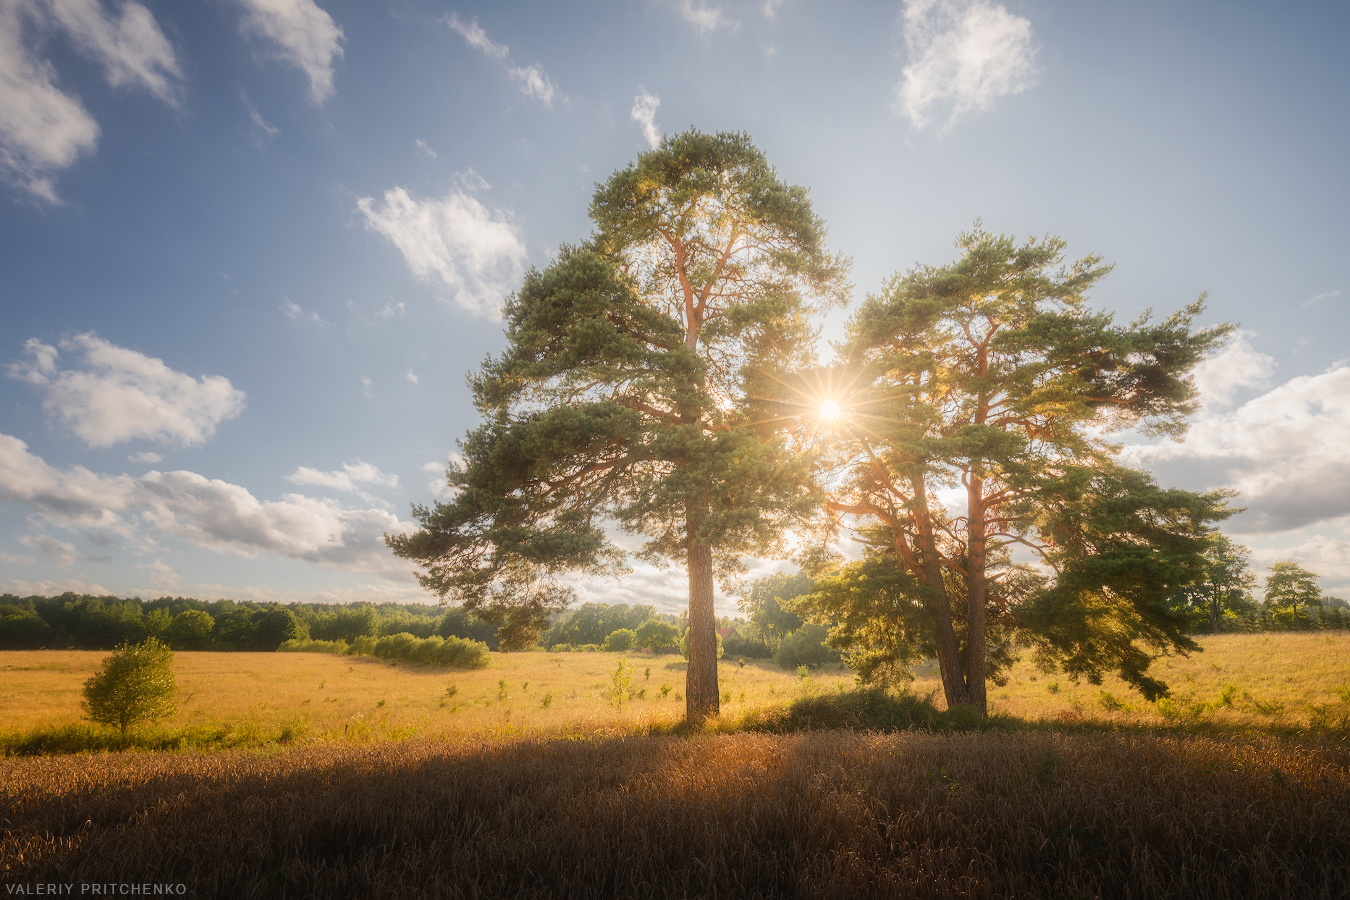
{"x":992,"y":376}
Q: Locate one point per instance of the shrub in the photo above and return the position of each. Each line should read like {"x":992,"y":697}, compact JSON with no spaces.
{"x":620,"y":689}
{"x":620,"y":640}
{"x":454,"y":652}
{"x":304,"y":645}
{"x":805,"y":647}
{"x":134,"y":684}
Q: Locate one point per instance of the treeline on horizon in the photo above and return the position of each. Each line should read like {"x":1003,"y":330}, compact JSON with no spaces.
{"x":88,"y":622}
{"x":777,"y":623}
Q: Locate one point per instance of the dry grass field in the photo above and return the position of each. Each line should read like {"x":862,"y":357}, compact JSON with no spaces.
{"x":360,"y":696}
{"x":1280,"y":682}
{"x":826,"y":814}
{"x":356,"y":777}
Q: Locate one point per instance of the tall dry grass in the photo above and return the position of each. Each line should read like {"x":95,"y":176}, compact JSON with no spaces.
{"x":838,"y":814}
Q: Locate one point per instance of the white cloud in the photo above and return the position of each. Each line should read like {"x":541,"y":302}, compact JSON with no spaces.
{"x":295,"y":313}
{"x":1237,"y":366}
{"x":424,"y":150}
{"x":476,"y":253}
{"x":1327,"y":554}
{"x":119,"y":395}
{"x":304,"y":36}
{"x":1318,"y":298}
{"x":10,"y":559}
{"x":706,"y":18}
{"x":438,"y":485}
{"x":770,"y":8}
{"x":533,"y":81}
{"x":59,"y":552}
{"x":130,"y":46}
{"x":208,"y":512}
{"x":644,"y":113}
{"x":1283,"y":451}
{"x":44,"y":129}
{"x":162,"y":574}
{"x":263,"y":130}
{"x":411,"y":376}
{"x":349,"y":478}
{"x":153,"y":459}
{"x":966,"y":53}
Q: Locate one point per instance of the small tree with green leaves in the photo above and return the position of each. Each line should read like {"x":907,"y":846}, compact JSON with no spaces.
{"x":135,"y":684}
{"x":1291,"y":591}
{"x":1225,"y":591}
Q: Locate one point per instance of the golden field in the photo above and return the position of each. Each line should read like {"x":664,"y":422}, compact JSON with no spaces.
{"x":1265,"y":681}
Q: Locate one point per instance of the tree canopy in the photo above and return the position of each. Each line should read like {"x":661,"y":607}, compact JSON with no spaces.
{"x":973,"y":403}
{"x":630,"y":395}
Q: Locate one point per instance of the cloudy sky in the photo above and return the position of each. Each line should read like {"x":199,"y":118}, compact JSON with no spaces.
{"x":251,"y":247}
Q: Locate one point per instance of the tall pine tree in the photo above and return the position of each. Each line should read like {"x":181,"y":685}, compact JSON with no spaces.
{"x":629,"y":395}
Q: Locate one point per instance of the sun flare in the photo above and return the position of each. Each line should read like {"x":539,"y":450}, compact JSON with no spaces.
{"x":830,"y":409}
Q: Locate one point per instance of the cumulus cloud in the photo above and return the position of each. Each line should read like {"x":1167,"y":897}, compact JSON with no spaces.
{"x":532,"y":81}
{"x":44,"y":129}
{"x":438,"y":485}
{"x":208,"y":512}
{"x":644,"y":113}
{"x":302,"y":35}
{"x":456,"y":241}
{"x":59,"y":552}
{"x":1237,"y":366}
{"x":962,"y":53}
{"x":1283,"y":451}
{"x":349,"y":478}
{"x":117,"y":395}
{"x":1326,"y":554}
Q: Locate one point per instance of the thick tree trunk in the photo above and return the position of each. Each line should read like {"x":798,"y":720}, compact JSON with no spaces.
{"x":700,"y":684}
{"x":976,"y":653}
{"x":948,"y":651}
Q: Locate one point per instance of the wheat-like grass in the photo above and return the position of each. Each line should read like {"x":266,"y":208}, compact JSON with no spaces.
{"x":837,"y":814}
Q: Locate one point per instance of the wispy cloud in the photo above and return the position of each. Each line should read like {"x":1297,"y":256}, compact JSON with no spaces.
{"x":411,"y":376}
{"x":296,"y":313}
{"x":456,"y":241}
{"x":770,"y":8}
{"x":964,"y":54}
{"x":424,"y":150}
{"x":115,"y":394}
{"x":263,"y":130}
{"x":302,"y":35}
{"x":44,"y":129}
{"x":644,"y":113}
{"x":707,"y":18}
{"x":1318,"y":298}
{"x":146,"y":458}
{"x":532,"y":80}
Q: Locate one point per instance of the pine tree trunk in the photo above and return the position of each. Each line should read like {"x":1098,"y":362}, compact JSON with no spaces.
{"x":948,"y":651}
{"x":700,"y":685}
{"x":976,"y":652}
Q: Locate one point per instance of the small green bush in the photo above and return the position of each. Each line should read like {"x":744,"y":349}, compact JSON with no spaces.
{"x":805,"y":647}
{"x":135,"y":684}
{"x":620,"y":640}
{"x":304,"y":645}
{"x":457,"y":653}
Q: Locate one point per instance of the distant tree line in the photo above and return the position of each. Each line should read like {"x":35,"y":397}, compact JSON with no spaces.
{"x":86,"y":622}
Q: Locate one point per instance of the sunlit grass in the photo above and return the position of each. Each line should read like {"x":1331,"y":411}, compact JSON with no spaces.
{"x":358,"y":697}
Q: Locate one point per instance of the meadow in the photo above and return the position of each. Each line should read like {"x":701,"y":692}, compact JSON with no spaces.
{"x":357,"y":777}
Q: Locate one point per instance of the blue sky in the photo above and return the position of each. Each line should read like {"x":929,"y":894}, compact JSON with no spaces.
{"x":252,"y":247}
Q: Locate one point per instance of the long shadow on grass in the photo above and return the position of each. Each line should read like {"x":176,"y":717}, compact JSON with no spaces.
{"x":823,"y":813}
